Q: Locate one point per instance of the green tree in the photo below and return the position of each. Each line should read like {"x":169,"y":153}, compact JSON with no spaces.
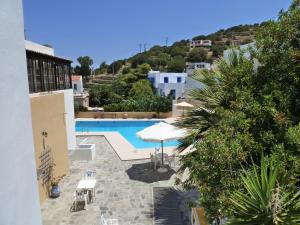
{"x":178,"y":51}
{"x":250,"y":106}
{"x":115,"y":66}
{"x":101,"y":95}
{"x":197,"y":55}
{"x":163,"y":59}
{"x":126,"y":70}
{"x":141,"y":72}
{"x":139,"y":59}
{"x":84,"y":68}
{"x":141,"y":89}
{"x":161,"y":104}
{"x":217,"y":50}
{"x":102,"y":68}
{"x":267,"y":199}
{"x":177,"y":64}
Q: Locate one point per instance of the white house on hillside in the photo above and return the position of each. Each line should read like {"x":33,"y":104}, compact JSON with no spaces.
{"x":168,"y":83}
{"x":200,"y":43}
{"x":191,"y":67}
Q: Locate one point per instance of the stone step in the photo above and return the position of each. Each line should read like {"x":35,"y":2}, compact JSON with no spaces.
{"x":166,"y":206}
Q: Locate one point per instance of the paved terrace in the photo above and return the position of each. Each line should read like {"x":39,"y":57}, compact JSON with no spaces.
{"x":130,"y":200}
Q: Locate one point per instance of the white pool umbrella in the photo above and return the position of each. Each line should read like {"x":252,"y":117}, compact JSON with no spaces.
{"x":161,"y":132}
{"x":184,"y":105}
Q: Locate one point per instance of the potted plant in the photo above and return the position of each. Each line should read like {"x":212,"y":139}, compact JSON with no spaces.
{"x":53,"y":181}
{"x":55,"y":190}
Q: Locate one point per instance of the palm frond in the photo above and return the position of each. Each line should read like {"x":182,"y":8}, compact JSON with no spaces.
{"x":265,"y":201}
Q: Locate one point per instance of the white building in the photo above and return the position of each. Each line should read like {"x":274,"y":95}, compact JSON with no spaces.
{"x":45,"y":49}
{"x":77,"y":84}
{"x":19,"y":187}
{"x":192,"y":67}
{"x":168,"y":83}
{"x":200,"y":43}
{"x":80,"y":95}
{"x":245,"y":48}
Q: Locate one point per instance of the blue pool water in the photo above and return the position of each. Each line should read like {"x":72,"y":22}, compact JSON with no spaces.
{"x":127,"y":129}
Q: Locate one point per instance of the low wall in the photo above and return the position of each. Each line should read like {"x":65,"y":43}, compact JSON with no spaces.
{"x":122,"y":115}
{"x":84,"y":152}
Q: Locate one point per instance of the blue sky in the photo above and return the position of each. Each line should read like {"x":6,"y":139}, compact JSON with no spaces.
{"x":108,"y":30}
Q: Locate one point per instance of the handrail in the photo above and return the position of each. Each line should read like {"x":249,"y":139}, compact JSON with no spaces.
{"x":84,"y":129}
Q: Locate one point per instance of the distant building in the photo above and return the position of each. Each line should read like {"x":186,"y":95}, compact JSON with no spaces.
{"x":200,"y":43}
{"x":81,"y":97}
{"x":52,"y":113}
{"x":192,"y":67}
{"x":244,"y":48}
{"x":168,"y":83}
{"x":77,"y":84}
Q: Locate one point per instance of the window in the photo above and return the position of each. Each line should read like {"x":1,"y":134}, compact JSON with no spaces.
{"x":166,"y":80}
{"x":178,"y":79}
{"x":75,"y":87}
{"x":152,"y":80}
{"x":173,"y":94}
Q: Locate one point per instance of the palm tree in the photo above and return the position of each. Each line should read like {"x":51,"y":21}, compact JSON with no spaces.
{"x":214,"y":94}
{"x":267,"y":200}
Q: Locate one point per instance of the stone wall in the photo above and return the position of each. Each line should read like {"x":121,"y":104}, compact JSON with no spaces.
{"x":122,"y":115}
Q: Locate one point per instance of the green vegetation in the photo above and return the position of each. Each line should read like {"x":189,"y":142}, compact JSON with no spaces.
{"x":79,"y":108}
{"x":250,"y":108}
{"x":84,"y":68}
{"x":267,"y":197}
{"x":198,"y":55}
{"x":176,"y":64}
{"x":101,"y":95}
{"x":147,"y":104}
{"x":102,"y":69}
{"x":141,"y":89}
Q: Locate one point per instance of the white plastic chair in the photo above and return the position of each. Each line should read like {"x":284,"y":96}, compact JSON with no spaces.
{"x":78,"y":199}
{"x":90,"y":174}
{"x":170,"y":159}
{"x":104,"y":221}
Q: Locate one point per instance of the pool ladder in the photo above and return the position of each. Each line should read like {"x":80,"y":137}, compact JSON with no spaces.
{"x":85,"y":130}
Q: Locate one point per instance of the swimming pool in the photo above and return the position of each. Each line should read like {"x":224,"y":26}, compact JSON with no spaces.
{"x":127,"y":129}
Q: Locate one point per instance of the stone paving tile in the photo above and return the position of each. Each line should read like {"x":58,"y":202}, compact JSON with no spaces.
{"x":117,"y":196}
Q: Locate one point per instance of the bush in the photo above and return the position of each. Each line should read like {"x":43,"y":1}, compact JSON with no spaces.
{"x":79,"y":108}
{"x":176,"y":65}
{"x":197,"y":55}
{"x":141,"y":89}
{"x":147,"y":104}
{"x":102,"y":95}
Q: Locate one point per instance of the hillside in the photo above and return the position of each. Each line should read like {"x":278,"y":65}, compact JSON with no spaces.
{"x":115,"y":86}
{"x":173,"y":58}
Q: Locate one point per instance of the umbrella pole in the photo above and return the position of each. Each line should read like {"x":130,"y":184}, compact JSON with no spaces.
{"x":162,"y":153}
{"x":162,"y":169}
